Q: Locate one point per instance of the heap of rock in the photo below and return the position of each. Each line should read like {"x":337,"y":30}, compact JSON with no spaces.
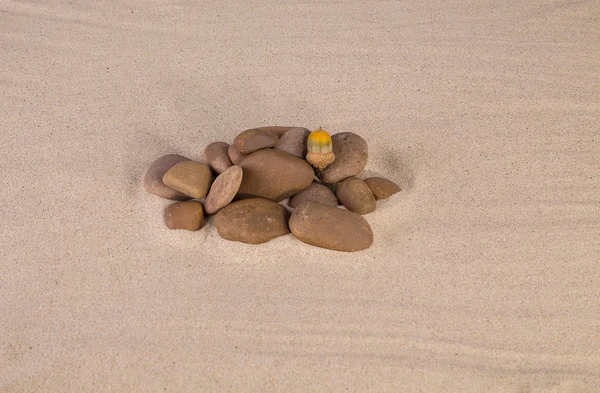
{"x":242,"y":184}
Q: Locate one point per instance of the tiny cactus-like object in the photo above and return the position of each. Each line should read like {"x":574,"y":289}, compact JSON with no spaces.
{"x":320,"y":152}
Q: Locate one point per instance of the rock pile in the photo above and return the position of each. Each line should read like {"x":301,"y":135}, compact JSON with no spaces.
{"x":242,"y":184}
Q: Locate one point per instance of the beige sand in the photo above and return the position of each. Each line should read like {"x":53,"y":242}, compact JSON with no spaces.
{"x":484,"y":275}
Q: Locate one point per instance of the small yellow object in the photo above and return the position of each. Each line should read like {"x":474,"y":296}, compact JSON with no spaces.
{"x":320,"y":149}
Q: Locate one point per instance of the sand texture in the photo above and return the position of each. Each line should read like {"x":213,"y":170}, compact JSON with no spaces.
{"x":484,"y":275}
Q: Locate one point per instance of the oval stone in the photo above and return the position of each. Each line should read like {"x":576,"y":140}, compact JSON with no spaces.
{"x":356,"y":196}
{"x":294,"y":141}
{"x":330,"y":227}
{"x":316,"y":193}
{"x":351,"y":154}
{"x":192,"y":178}
{"x":253,"y":221}
{"x":153,"y":178}
{"x":254,"y":139}
{"x":277,"y":130}
{"x":216,"y":156}
{"x":234,"y":155}
{"x":382,"y":188}
{"x":185,"y":215}
{"x":274,"y":174}
{"x":223,"y":189}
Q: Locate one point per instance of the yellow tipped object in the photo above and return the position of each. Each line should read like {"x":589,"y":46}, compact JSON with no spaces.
{"x":320,"y":149}
{"x":319,"y":141}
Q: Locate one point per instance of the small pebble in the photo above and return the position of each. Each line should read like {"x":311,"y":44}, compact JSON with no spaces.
{"x":356,"y":196}
{"x":294,"y":141}
{"x":153,"y":178}
{"x":330,"y":227}
{"x":274,"y":174}
{"x":215,"y":155}
{"x":382,"y":188}
{"x":185,"y":215}
{"x":189,"y":177}
{"x":351,"y":154}
{"x":316,"y":193}
{"x":254,"y":139}
{"x":234,"y":155}
{"x":277,"y":130}
{"x":223,"y":189}
{"x":254,"y":221}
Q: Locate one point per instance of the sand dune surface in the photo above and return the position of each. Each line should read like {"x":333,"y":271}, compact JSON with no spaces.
{"x":484,"y":275}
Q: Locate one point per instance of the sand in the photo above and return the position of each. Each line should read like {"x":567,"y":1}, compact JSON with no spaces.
{"x":484,"y":275}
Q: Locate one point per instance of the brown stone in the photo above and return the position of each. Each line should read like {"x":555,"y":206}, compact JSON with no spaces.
{"x":185,"y":215}
{"x":223,"y":189}
{"x":382,"y":188}
{"x":356,"y":196}
{"x":330,"y":227}
{"x":254,"y":139}
{"x":351,"y":154}
{"x":316,"y":193}
{"x":234,"y":155}
{"x":216,"y":156}
{"x":274,"y":174}
{"x":253,"y":221}
{"x":294,"y":141}
{"x":277,"y":130}
{"x":189,"y":177}
{"x":153,"y":182}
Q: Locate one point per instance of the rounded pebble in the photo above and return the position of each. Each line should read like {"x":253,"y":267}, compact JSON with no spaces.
{"x":153,"y":178}
{"x":253,"y":221}
{"x":330,"y":227}
{"x":294,"y":141}
{"x":351,"y":154}
{"x":189,"y":177}
{"x":254,"y":139}
{"x":277,"y":130}
{"x":234,"y":155}
{"x":274,"y":174}
{"x":216,"y":156}
{"x":382,"y":188}
{"x":356,"y":196}
{"x":223,"y":189}
{"x":316,"y":193}
{"x":185,"y":215}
